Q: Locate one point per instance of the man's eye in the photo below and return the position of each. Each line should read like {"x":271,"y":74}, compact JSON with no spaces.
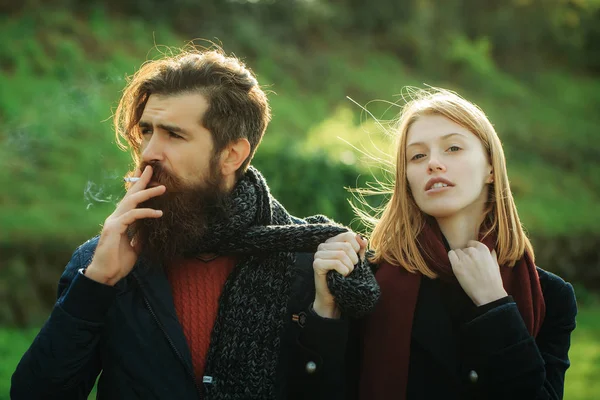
{"x":174,"y":135}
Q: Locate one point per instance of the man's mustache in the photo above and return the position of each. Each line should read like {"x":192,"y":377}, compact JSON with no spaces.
{"x":162,"y":176}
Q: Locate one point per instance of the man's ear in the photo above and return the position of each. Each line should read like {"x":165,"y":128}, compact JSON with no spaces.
{"x":234,"y":155}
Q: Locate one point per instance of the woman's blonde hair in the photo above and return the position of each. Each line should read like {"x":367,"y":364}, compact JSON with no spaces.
{"x":395,"y":233}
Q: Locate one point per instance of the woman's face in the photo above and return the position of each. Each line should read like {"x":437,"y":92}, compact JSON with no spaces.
{"x":447,"y":168}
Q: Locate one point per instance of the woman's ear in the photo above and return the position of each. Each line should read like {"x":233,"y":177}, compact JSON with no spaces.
{"x":490,"y":178}
{"x":234,"y":155}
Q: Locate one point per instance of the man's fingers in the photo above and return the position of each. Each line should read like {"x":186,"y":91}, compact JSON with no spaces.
{"x":145,"y":177}
{"x":146,"y":194}
{"x":138,"y":213}
{"x":133,"y":200}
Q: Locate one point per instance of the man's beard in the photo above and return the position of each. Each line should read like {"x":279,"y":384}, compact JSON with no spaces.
{"x":188,"y":214}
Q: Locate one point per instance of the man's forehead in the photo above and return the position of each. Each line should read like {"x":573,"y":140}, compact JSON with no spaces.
{"x":169,"y":109}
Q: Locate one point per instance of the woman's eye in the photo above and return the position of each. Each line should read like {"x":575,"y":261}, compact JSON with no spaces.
{"x":146,"y":131}
{"x":417,"y":156}
{"x":454,"y":148}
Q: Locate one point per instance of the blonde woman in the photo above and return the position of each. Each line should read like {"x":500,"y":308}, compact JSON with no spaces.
{"x":464,"y":312}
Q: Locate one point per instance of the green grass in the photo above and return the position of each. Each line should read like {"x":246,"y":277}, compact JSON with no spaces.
{"x":581,"y":383}
{"x":582,"y":378}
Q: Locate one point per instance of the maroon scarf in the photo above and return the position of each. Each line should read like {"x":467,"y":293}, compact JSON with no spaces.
{"x":387,"y":331}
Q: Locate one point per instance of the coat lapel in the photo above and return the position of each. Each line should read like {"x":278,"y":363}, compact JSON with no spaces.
{"x":431,"y":323}
{"x":159,"y":299}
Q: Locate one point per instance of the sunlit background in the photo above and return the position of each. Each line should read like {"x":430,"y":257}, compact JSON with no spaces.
{"x":335,"y":71}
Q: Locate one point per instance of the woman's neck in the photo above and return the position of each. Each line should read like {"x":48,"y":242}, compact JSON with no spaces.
{"x":460,"y":229}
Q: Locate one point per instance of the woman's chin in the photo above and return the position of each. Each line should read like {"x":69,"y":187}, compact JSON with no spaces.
{"x":441,"y":213}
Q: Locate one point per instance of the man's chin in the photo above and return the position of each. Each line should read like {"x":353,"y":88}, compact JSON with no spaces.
{"x":187,"y":216}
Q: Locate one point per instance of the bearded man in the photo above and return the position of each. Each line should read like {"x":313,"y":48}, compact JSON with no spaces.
{"x":200,"y":284}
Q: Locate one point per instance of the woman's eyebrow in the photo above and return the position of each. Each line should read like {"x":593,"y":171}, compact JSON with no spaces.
{"x":449,"y":135}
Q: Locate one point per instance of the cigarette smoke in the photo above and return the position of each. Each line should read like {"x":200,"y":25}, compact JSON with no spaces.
{"x":94,"y":193}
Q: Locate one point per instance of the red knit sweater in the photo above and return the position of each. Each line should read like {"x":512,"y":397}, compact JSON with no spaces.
{"x":196,"y":287}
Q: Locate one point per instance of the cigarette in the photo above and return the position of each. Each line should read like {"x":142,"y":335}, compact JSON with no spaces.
{"x":131,"y":179}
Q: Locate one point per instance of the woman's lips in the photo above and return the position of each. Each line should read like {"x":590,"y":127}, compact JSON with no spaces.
{"x":434,"y":190}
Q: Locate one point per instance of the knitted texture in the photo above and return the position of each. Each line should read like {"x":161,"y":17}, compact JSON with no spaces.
{"x":245,"y":342}
{"x":196,"y":287}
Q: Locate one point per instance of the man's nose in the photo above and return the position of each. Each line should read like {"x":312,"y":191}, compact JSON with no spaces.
{"x":152,"y":150}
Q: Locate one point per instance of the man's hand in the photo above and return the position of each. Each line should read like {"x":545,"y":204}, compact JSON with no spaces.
{"x":340,"y":253}
{"x":116,"y":254}
{"x":478,"y":273}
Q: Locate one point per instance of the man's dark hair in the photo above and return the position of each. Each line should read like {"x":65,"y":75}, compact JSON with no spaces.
{"x":238,"y":107}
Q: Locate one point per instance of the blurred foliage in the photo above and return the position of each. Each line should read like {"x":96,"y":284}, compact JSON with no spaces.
{"x":531,"y":64}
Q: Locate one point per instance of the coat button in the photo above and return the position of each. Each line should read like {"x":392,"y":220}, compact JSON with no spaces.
{"x":473,"y":377}
{"x":311,"y":367}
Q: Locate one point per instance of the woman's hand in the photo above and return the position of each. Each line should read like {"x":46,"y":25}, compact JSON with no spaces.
{"x":340,"y":253}
{"x":478,"y":272}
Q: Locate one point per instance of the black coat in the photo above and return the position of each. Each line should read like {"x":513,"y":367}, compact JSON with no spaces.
{"x":131,"y":334}
{"x":485,"y":352}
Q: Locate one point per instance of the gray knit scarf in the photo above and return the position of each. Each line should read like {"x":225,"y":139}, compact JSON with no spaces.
{"x":245,"y":341}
